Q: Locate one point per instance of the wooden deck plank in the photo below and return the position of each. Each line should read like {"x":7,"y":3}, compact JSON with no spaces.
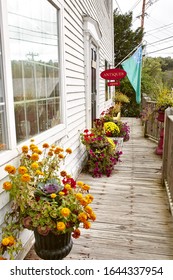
{"x":133,"y":216}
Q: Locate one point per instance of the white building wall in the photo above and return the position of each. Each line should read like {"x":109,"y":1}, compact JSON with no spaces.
{"x":76,"y":91}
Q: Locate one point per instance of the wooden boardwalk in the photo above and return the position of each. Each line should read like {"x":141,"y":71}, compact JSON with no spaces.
{"x":133,"y":217}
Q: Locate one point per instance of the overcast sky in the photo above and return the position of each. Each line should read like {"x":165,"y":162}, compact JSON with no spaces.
{"x":158,"y":24}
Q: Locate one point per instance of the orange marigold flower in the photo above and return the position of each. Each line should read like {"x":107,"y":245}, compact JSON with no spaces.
{"x":34,"y":156}
{"x":11,"y":240}
{"x":34,"y":165}
{"x":93,"y":216}
{"x":85,"y":187}
{"x":25,"y":178}
{"x":7,"y":186}
{"x":46,"y":145}
{"x":82,"y":217}
{"x":10,"y":169}
{"x":68,"y":150}
{"x":89,"y":198}
{"x":25,"y":149}
{"x":86,"y":225}
{"x":50,"y":153}
{"x":53,"y":195}
{"x":76,"y":233}
{"x":2,"y":258}
{"x":63,"y":173}
{"x":84,"y":202}
{"x":22,"y":170}
{"x":57,"y":150}
{"x":65,"y":212}
{"x":88,"y":209}
{"x":61,"y":226}
{"x":61,"y":156}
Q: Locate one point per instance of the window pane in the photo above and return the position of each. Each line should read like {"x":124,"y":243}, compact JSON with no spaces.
{"x":3,"y":123}
{"x":34,"y":46}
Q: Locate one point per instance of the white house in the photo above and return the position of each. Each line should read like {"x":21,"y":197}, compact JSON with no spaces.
{"x":51,"y":55}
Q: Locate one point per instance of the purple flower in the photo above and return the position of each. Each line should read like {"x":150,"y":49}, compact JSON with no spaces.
{"x":50,"y":188}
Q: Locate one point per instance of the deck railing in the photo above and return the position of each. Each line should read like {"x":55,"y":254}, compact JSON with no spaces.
{"x":167,"y":165}
{"x":152,"y":126}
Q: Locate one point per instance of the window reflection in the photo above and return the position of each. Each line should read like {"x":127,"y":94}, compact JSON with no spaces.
{"x":34,"y":48}
{"x":3,"y":123}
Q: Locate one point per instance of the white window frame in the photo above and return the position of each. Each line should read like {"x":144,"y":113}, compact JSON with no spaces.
{"x":54,"y":133}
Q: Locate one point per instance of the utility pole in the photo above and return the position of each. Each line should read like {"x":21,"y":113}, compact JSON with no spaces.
{"x":143,"y":14}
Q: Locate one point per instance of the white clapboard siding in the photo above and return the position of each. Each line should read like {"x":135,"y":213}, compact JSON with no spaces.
{"x":75,"y":95}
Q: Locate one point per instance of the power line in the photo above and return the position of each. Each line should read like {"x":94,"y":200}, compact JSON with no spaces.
{"x":161,"y":49}
{"x":118,"y":6}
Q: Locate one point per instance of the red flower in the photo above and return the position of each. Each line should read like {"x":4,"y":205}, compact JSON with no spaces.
{"x":86,"y":130}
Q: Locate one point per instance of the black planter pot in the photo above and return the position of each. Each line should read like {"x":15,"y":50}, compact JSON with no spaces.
{"x":51,"y":246}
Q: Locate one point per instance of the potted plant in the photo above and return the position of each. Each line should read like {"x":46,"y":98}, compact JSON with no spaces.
{"x":45,"y":200}
{"x":102,"y":155}
{"x":163,"y":101}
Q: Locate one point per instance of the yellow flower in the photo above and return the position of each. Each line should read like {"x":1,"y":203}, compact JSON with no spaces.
{"x":61,"y":193}
{"x":53,"y":195}
{"x":61,"y":226}
{"x":79,"y":196}
{"x":22,"y":170}
{"x":34,"y":156}
{"x":34,"y":165}
{"x":67,"y":187}
{"x":25,"y":178}
{"x":65,"y":212}
{"x":79,"y":183}
{"x":7,"y":186}
{"x":5,"y":241}
{"x":38,"y":172}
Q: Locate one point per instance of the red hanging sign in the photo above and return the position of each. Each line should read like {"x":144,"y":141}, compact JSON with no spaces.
{"x":113,"y":74}
{"x":116,"y":83}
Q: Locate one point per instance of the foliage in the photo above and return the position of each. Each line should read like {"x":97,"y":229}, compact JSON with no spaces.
{"x":164,"y":99}
{"x":102,"y":155}
{"x":120,"y":97}
{"x":44,"y":197}
{"x":125,"y":39}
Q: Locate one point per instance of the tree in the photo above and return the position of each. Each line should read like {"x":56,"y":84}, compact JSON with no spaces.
{"x":125,"y":39}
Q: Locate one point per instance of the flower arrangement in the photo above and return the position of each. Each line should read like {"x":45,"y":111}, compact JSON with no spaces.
{"x":102,"y":155}
{"x":111,"y":113}
{"x":44,"y":198}
{"x":124,"y":130}
{"x":111,"y":129}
